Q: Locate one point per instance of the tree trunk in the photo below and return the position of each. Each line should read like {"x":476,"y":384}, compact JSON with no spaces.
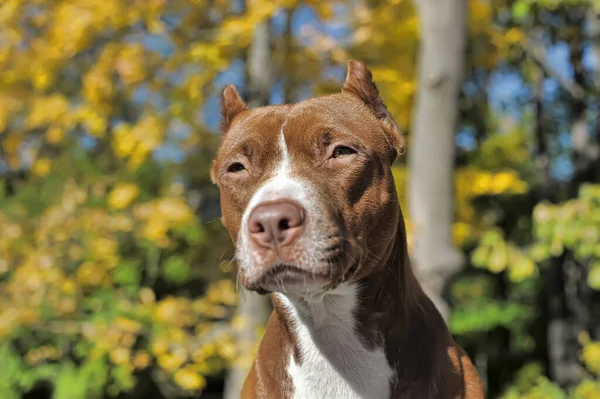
{"x":431,"y":156}
{"x":253,"y":310}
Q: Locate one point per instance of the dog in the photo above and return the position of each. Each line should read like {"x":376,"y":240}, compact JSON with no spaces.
{"x":307,"y":195}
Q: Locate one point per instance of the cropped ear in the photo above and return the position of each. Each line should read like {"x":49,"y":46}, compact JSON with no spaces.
{"x":231,"y":105}
{"x":359,"y":83}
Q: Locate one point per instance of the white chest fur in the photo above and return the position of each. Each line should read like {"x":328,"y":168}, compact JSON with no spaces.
{"x":335,"y":363}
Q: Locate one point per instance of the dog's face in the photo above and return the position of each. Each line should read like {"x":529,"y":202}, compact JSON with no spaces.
{"x":307,"y":192}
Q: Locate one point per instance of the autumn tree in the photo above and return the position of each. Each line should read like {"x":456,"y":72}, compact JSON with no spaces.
{"x":109,"y":278}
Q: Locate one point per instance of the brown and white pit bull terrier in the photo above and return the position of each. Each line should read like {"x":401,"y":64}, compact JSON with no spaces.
{"x":307,"y":194}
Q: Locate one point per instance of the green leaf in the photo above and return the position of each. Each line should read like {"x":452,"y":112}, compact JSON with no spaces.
{"x":480,"y":256}
{"x":127,"y":273}
{"x":123,"y":377}
{"x":67,"y":384}
{"x":176,"y":270}
{"x":190,"y":233}
{"x":593,"y":278}
{"x":539,"y":252}
{"x":498,"y":259}
{"x":95,"y":372}
{"x":491,"y":238}
{"x":556,"y":248}
{"x":11,"y":369}
{"x":522,"y":269}
{"x":485,"y":316}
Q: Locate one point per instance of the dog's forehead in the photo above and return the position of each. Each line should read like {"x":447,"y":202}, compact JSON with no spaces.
{"x":259,"y":126}
{"x":299,"y":123}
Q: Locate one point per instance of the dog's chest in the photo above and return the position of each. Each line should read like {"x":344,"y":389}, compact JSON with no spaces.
{"x":334,"y":361}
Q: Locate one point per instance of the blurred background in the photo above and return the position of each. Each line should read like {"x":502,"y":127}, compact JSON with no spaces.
{"x":116,"y":276}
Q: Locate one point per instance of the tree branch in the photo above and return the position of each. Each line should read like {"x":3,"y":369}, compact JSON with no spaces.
{"x":536,"y":50}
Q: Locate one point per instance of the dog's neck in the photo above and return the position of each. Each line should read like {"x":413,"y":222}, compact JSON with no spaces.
{"x":345,"y":340}
{"x":330,"y":358}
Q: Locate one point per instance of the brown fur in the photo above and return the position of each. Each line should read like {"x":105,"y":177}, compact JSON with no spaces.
{"x":363,"y":217}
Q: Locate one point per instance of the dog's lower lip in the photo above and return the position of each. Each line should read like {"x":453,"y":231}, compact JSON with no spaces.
{"x":290,"y":270}
{"x":289,"y":274}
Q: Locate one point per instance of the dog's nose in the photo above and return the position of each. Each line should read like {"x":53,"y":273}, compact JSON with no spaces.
{"x":276,"y":224}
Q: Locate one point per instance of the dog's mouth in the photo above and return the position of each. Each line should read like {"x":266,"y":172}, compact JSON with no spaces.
{"x":303,"y":271}
{"x":292,"y":272}
{"x":284,"y":277}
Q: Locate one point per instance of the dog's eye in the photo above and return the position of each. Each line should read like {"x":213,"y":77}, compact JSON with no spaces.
{"x":342,"y":151}
{"x":236,"y":167}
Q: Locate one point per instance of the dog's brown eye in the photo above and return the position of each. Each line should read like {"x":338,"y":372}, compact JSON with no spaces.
{"x":342,"y":151}
{"x":236,"y":167}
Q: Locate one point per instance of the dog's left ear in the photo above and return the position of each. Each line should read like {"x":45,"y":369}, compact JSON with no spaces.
{"x":359,"y":83}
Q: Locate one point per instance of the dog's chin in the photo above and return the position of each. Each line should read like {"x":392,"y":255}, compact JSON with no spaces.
{"x":289,"y":279}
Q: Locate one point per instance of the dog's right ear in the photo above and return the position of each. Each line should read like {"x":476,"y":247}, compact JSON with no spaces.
{"x":231,"y":105}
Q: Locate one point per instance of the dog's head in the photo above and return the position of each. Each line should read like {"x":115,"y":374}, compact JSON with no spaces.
{"x":306,"y":189}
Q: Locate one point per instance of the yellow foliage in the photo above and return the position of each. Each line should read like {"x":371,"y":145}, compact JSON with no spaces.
{"x":222,"y":291}
{"x":73,"y":75}
{"x":122,"y":195}
{"x":47,"y":110}
{"x":8,"y":106}
{"x":470,"y":183}
{"x":41,"y":167}
{"x":591,"y":356}
{"x":129,"y":64}
{"x":172,"y":361}
{"x":189,"y":379}
{"x":588,"y":389}
{"x":174,"y":311}
{"x":174,"y":209}
{"x":138,"y":141}
{"x":159,"y":346}
{"x":97,"y":86}
{"x":42,"y":353}
{"x":128,"y":325}
{"x":119,"y":355}
{"x":514,"y":36}
{"x":141,"y":360}
{"x":94,"y":119}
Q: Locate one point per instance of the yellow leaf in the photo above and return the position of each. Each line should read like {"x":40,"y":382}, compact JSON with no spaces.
{"x":130,"y":64}
{"x":46,"y":110}
{"x":41,"y":79}
{"x":90,"y":274}
{"x":171,"y":361}
{"x":123,"y":195}
{"x":55,"y":135}
{"x":514,"y":35}
{"x":174,"y":209}
{"x":188,"y":379}
{"x":156,"y":231}
{"x":591,"y":356}
{"x":41,"y":167}
{"x":159,"y":346}
{"x":521,"y":269}
{"x":119,"y":355}
{"x":141,"y":360}
{"x":498,"y":259}
{"x":128,"y":325}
